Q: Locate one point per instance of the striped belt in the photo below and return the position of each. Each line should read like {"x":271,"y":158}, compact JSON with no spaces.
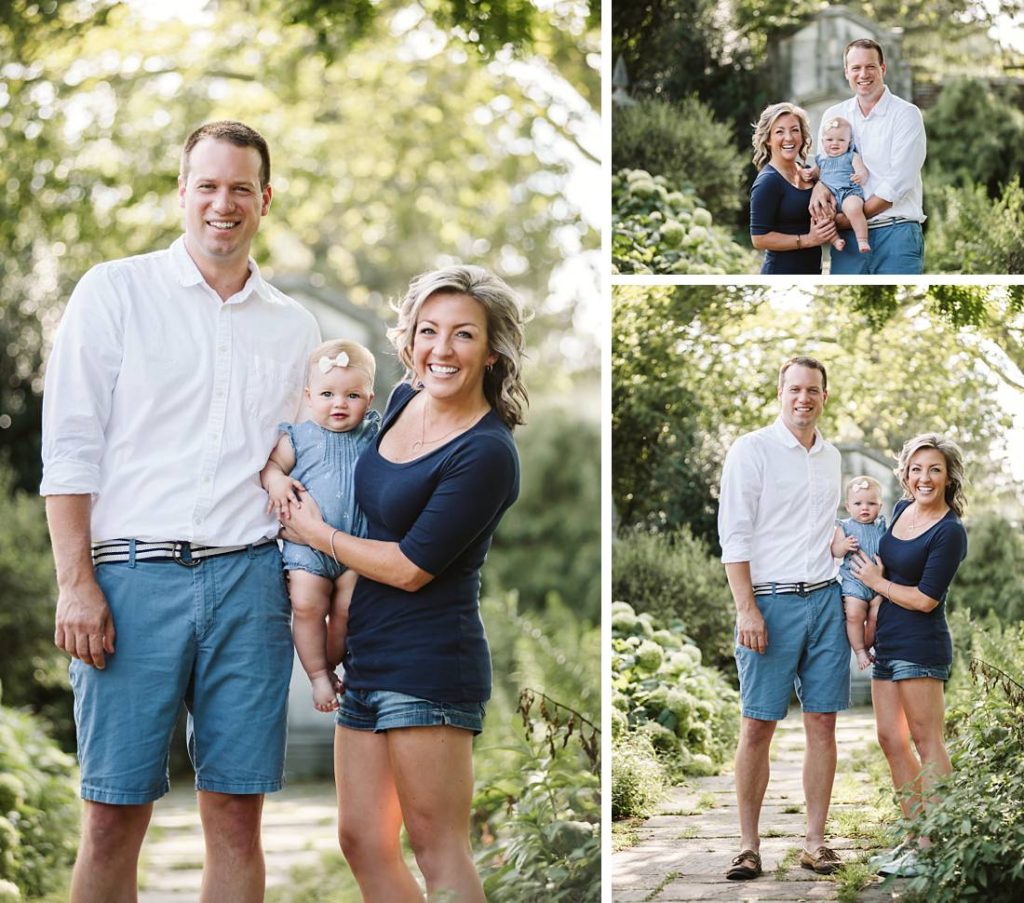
{"x":788,"y":589}
{"x":891,"y":221}
{"x":179,"y":551}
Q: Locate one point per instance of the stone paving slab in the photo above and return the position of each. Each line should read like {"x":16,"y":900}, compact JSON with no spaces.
{"x":683,"y":851}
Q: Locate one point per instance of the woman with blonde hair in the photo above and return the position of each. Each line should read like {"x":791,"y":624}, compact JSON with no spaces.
{"x":921,"y":551}
{"x":433,"y":486}
{"x":780,"y":221}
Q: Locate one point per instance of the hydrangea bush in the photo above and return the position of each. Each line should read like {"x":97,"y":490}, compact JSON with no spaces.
{"x":657,"y":229}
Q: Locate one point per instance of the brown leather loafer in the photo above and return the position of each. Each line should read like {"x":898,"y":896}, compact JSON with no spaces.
{"x":823,"y":861}
{"x":741,"y":872}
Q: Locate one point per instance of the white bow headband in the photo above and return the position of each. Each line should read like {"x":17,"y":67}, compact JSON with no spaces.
{"x":326,"y":363}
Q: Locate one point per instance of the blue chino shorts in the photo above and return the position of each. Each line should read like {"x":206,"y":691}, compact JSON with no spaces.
{"x":215,"y":637}
{"x":895,"y":251}
{"x":898,"y":669}
{"x":807,"y":651}
{"x":384,"y":710}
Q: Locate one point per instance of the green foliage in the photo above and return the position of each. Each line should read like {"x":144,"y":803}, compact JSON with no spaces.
{"x":975,"y":137}
{"x":673,"y":576}
{"x":656,"y":229}
{"x":683,"y":142}
{"x":550,"y":540}
{"x":976,"y":821}
{"x":968,"y":233}
{"x":991,"y":577}
{"x":639,"y":777}
{"x":38,"y":806}
{"x":32,"y":671}
{"x":684,"y":709}
{"x":544,"y":812}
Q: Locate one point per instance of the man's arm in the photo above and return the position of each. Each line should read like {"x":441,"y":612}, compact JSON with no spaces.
{"x":84,"y":627}
{"x":751,"y":630}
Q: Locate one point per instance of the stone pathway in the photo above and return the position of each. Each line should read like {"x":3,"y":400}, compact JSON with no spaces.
{"x":683,"y":851}
{"x":299,"y":826}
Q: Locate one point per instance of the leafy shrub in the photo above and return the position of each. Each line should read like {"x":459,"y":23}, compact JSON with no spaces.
{"x":683,"y":142}
{"x":38,"y":806}
{"x":546,"y":811}
{"x":685,"y":710}
{"x":656,"y":229}
{"x":991,"y":577}
{"x":638,"y":777}
{"x":672,"y":575}
{"x":969,"y":233}
{"x":976,"y":822}
{"x":975,"y":136}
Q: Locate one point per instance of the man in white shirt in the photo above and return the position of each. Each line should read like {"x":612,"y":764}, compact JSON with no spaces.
{"x":779,"y":497}
{"x":169,"y":374}
{"x":888,"y":133}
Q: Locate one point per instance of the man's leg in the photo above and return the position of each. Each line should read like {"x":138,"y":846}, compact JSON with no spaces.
{"x":752,"y":771}
{"x":106,"y":870}
{"x":819,"y":773}
{"x":896,"y":251}
{"x":234,"y":870}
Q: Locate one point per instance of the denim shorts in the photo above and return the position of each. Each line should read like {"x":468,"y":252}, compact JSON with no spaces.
{"x":215,"y":637}
{"x":897,"y":669}
{"x":807,"y":651}
{"x":895,"y":250}
{"x":384,"y":710}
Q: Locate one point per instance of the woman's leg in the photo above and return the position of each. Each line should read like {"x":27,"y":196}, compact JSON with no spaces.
{"x":894,"y":738}
{"x":310,"y":596}
{"x":924,"y":704}
{"x":369,"y":818}
{"x":433,"y":768}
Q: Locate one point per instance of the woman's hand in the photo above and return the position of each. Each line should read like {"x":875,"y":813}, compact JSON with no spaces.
{"x":823,"y":204}
{"x":822,"y":232}
{"x":869,"y":572}
{"x":300,"y":522}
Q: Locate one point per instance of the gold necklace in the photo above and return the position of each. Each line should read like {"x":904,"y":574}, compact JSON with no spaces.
{"x":913,"y":519}
{"x":423,"y":440}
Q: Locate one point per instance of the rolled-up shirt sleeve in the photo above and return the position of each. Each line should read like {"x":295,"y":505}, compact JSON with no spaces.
{"x":477,"y":487}
{"x":80,"y":378}
{"x":738,"y":501}
{"x":910,"y":148}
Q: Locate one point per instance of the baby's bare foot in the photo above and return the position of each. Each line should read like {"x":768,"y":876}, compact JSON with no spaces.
{"x":863,"y":246}
{"x":863,"y":660}
{"x":839,"y":244}
{"x":324,"y":697}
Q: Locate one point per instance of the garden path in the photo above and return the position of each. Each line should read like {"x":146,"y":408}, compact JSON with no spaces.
{"x":298,"y":827}
{"x":683,"y":851}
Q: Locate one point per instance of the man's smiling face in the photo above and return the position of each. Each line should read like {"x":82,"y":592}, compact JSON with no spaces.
{"x":865,"y":73}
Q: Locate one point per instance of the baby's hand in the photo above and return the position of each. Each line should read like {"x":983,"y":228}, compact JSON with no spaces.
{"x":859,"y":177}
{"x":849,"y":544}
{"x":282,"y":492}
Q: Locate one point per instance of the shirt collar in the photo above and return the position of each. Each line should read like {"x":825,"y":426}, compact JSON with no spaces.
{"x":879,"y":109}
{"x":188,"y":274}
{"x":786,"y":437}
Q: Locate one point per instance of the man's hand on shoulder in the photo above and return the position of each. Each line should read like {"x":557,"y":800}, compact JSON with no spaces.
{"x":85,"y":628}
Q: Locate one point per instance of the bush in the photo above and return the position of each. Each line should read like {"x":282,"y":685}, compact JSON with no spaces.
{"x":991,"y":577}
{"x":685,"y":711}
{"x":684,"y":143}
{"x":969,"y":233}
{"x":638,"y":777}
{"x":659,"y":227}
{"x":38,"y":807}
{"x":672,"y":575}
{"x":975,"y":136}
{"x":976,"y":819}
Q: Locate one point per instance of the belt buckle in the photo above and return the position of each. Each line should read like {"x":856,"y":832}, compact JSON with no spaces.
{"x":177,"y":559}
{"x":802,"y":590}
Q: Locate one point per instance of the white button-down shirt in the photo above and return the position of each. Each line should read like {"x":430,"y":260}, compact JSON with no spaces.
{"x":777,"y":507}
{"x":891,"y":142}
{"x":162,"y":401}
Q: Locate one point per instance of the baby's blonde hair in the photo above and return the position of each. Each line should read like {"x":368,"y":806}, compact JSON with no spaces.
{"x":837,"y":122}
{"x":863,"y":482}
{"x":359,"y":357}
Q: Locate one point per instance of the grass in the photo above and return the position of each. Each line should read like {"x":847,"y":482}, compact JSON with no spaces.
{"x":668,"y":879}
{"x":851,"y":879}
{"x":687,"y":834}
{"x":792,"y":810}
{"x":625,"y":834}
{"x":786,"y":863}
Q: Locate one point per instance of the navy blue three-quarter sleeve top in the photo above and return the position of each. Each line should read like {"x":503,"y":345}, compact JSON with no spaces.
{"x":776,"y":206}
{"x":929,"y":562}
{"x":442,"y":509}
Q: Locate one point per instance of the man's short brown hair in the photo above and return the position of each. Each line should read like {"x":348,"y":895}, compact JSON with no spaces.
{"x":865,"y":44}
{"x":810,"y":363}
{"x":236,"y":133}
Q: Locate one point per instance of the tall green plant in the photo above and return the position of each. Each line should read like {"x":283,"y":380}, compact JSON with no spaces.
{"x":969,"y":233}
